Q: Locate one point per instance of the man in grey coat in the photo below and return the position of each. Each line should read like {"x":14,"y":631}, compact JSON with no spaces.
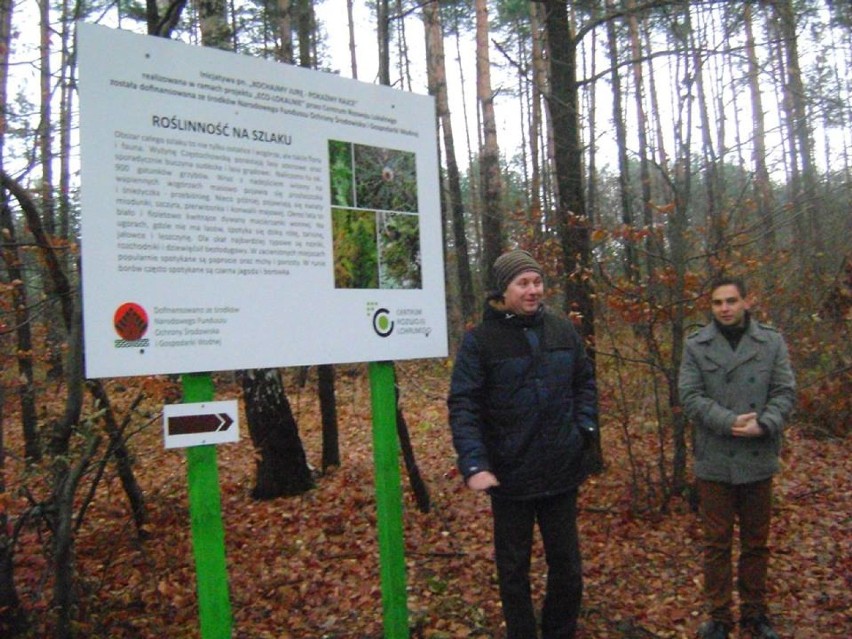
{"x":738,"y":389}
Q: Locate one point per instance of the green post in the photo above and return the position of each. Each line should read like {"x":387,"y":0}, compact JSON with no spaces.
{"x":205,"y":514}
{"x":389,"y":501}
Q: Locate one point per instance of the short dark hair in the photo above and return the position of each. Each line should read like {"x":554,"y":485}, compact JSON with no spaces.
{"x":728,"y":280}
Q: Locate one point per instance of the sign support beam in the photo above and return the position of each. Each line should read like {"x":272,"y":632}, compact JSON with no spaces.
{"x":205,"y":513}
{"x":389,"y":501}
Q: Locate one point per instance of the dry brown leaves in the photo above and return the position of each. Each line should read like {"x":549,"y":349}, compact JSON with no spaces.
{"x":307,"y":567}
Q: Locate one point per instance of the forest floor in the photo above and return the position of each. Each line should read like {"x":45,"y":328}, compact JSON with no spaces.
{"x":307,"y":567}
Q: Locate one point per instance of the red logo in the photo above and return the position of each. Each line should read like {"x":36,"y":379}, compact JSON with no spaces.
{"x":130,"y":321}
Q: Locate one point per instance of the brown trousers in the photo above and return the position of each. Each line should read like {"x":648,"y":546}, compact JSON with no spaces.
{"x":721,"y":505}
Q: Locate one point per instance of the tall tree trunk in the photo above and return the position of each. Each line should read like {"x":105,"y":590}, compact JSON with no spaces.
{"x":592,"y":208}
{"x":403,"y":61}
{"x":328,"y":411}
{"x":383,"y":40}
{"x":12,"y":618}
{"x":437,"y":76}
{"x":489,"y":156}
{"x":23,"y":332}
{"x":762,"y":186}
{"x":53,"y":336}
{"x":631,"y":267}
{"x":305,"y":23}
{"x":539,"y":68}
{"x":474,"y":201}
{"x":652,"y":247}
{"x":45,"y":130}
{"x":715,"y":237}
{"x":795,"y":112}
{"x":573,"y":223}
{"x":69,"y":71}
{"x":284,"y":25}
{"x":353,"y":59}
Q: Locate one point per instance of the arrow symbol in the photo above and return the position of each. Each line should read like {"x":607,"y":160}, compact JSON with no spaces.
{"x":195,"y":424}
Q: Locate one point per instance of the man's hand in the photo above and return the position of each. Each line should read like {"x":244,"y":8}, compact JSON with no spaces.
{"x":746,"y":426}
{"x":482,"y":480}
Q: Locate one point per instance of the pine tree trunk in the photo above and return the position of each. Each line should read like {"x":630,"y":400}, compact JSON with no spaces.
{"x":438,"y":87}
{"x":489,"y":157}
{"x":573,"y":223}
{"x":539,"y":88}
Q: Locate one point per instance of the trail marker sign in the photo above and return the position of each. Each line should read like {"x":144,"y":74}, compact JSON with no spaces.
{"x":201,"y":423}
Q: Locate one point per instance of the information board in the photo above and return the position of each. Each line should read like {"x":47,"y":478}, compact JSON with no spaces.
{"x":242,"y":213}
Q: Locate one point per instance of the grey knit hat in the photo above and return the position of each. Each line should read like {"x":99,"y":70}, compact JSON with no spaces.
{"x":511,"y":264}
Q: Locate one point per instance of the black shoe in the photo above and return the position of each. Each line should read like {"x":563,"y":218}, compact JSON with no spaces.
{"x":713,"y":629}
{"x":758,"y":628}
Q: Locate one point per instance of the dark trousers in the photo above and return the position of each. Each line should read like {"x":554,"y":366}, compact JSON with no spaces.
{"x":721,"y":504}
{"x":514,"y":522}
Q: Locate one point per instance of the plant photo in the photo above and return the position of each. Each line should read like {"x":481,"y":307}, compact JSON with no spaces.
{"x":399,"y":251}
{"x":355,"y":249}
{"x":385,"y":179}
{"x":340,"y":173}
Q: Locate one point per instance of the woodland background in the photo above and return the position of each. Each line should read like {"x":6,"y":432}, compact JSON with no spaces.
{"x":651,"y":145}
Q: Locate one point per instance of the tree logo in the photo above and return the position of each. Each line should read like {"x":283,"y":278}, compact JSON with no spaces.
{"x":130,"y":322}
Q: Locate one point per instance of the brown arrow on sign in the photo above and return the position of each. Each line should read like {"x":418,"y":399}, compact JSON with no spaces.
{"x":196,"y":424}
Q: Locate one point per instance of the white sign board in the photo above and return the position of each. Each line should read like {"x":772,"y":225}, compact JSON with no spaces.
{"x":242,"y":213}
{"x":201,"y":423}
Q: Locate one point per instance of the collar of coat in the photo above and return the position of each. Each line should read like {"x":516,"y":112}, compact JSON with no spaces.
{"x":719,"y":350}
{"x":495,"y":308}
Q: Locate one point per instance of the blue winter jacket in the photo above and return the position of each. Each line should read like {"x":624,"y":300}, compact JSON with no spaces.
{"x":523,"y":402}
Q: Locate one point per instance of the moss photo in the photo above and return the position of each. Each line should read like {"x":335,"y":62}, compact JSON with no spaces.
{"x":374,"y":217}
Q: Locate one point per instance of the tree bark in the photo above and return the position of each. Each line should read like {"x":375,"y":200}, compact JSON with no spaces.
{"x":489,"y":156}
{"x":284,"y":24}
{"x":282,"y":467}
{"x":26,"y":387}
{"x":438,"y":87}
{"x":803,"y":180}
{"x":631,"y":269}
{"x":539,"y":88}
{"x":328,"y":411}
{"x":573,"y":223}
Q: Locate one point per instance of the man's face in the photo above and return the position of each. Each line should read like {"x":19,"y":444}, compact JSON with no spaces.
{"x":728,"y":305}
{"x":524,"y":293}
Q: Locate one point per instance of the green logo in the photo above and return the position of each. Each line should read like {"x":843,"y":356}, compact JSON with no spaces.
{"x":382,"y":323}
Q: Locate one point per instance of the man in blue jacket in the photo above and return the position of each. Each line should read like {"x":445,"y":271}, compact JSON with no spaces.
{"x":523,"y":405}
{"x":738,"y":389}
